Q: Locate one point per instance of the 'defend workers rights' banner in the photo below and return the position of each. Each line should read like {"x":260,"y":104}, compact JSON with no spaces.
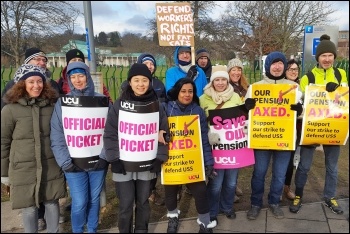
{"x":83,"y":120}
{"x":185,"y":163}
{"x":326,"y":116}
{"x":138,"y":128}
{"x":232,"y":151}
{"x":175,"y":24}
{"x":272,"y":122}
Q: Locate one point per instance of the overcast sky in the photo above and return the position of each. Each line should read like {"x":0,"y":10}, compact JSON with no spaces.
{"x":131,"y":16}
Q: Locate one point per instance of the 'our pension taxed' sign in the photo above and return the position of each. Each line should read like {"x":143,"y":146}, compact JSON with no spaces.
{"x":175,"y":24}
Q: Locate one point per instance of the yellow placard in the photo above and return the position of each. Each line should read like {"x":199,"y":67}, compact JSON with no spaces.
{"x":185,"y":164}
{"x":272,"y":122}
{"x":175,"y":24}
{"x":326,"y":116}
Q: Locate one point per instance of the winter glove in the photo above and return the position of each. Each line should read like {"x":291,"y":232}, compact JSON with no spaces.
{"x":214,"y":138}
{"x":192,"y":72}
{"x":210,"y":172}
{"x":249,"y":103}
{"x":331,"y":86}
{"x":118,"y":167}
{"x":297,"y":107}
{"x":156,"y":166}
{"x":73,"y":168}
{"x":5,"y":181}
{"x":101,"y":164}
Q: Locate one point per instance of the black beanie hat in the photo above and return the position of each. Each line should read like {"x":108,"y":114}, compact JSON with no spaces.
{"x":74,"y":53}
{"x":139,"y":69}
{"x":201,"y":53}
{"x":325,"y":46}
{"x":32,"y":53}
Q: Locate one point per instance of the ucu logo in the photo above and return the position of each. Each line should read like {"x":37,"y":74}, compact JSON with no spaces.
{"x":70,"y":100}
{"x":127,"y":105}
{"x":225,"y":160}
{"x":283,"y":145}
{"x":193,"y":177}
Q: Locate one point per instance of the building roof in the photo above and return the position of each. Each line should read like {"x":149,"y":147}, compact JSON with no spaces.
{"x":81,"y":45}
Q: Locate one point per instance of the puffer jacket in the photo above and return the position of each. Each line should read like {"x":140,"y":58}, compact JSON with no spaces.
{"x":175,"y":73}
{"x":26,"y":156}
{"x":173,"y":109}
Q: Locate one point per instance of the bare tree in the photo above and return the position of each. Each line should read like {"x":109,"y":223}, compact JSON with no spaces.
{"x":23,"y":20}
{"x":266,"y":26}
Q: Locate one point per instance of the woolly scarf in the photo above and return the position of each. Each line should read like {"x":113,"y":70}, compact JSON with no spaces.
{"x":219,"y":97}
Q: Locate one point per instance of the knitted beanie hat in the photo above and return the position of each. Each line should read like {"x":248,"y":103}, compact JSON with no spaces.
{"x":202,"y":53}
{"x":219,"y":71}
{"x":32,"y":53}
{"x":325,"y":46}
{"x":184,"y":48}
{"x":234,"y":63}
{"x":139,"y":69}
{"x":28,"y":70}
{"x":74,"y":53}
{"x":275,"y":57}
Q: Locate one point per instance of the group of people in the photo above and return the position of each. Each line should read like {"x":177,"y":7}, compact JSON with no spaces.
{"x":40,"y":154}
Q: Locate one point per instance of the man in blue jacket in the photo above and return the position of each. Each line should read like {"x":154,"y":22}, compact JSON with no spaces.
{"x":184,"y":68}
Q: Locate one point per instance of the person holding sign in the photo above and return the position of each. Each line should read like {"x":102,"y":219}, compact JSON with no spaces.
{"x":324,"y":73}
{"x":222,"y":188}
{"x":135,"y":147}
{"x":275,"y":70}
{"x":77,"y":125}
{"x":28,"y":165}
{"x":183,"y":101}
{"x":183,"y":68}
{"x":158,"y":86}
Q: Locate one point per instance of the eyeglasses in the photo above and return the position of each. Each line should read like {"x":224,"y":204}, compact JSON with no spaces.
{"x":44,"y":60}
{"x":293,"y":69}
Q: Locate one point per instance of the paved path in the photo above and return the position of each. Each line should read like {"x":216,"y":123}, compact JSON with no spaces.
{"x":312,"y":218}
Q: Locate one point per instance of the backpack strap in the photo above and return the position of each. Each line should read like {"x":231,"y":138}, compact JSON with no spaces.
{"x":311,"y":76}
{"x":220,"y":105}
{"x":337,"y":74}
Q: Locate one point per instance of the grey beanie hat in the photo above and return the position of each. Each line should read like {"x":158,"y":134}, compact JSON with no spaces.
{"x":234,"y":63}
